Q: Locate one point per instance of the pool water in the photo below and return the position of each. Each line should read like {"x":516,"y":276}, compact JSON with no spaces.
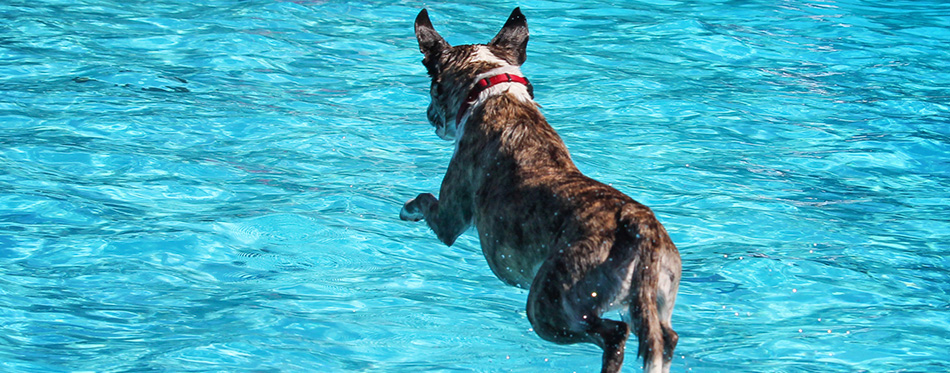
{"x":215,"y":185}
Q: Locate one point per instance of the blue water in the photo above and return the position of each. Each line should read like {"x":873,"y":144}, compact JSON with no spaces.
{"x":215,"y":185}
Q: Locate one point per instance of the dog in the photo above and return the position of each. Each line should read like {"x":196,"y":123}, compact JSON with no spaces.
{"x":581,"y":247}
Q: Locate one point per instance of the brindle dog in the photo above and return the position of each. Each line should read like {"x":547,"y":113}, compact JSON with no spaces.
{"x":582,"y":247}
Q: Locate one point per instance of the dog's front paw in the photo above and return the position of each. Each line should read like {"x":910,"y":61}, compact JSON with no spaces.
{"x":414,"y":210}
{"x":410,"y":214}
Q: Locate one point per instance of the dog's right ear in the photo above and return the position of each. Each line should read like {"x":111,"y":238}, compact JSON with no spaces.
{"x":513,"y":37}
{"x":431,"y":44}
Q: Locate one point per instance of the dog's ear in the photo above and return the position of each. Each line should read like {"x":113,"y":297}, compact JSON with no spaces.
{"x":513,"y":37}
{"x":431,"y":44}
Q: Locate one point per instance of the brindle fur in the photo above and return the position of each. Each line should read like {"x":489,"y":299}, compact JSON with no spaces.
{"x":580,"y":246}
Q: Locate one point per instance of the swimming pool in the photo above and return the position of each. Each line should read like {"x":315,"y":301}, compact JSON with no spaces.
{"x":216,"y":186}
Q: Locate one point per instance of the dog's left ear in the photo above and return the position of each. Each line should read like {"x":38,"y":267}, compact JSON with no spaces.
{"x":431,"y":43}
{"x":513,"y":37}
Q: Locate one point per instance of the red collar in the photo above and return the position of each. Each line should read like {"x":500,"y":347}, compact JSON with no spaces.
{"x":482,"y":84}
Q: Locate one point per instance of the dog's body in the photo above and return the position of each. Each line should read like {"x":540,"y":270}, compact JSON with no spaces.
{"x":582,"y":247}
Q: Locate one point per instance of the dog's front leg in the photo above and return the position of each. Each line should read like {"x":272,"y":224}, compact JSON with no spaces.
{"x":451,"y":216}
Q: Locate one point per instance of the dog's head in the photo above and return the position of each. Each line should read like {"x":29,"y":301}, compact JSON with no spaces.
{"x":454,"y":70}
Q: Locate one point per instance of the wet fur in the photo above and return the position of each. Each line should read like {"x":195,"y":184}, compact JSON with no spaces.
{"x":581,"y":247}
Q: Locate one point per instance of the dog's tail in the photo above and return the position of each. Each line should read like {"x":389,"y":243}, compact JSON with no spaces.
{"x":655,"y":280}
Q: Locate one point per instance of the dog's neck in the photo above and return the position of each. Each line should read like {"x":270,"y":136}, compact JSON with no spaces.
{"x":507,"y":79}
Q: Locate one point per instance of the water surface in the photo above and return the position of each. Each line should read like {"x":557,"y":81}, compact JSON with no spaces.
{"x":216,"y":186}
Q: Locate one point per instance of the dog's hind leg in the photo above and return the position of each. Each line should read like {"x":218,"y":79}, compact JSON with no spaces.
{"x":611,"y":336}
{"x":557,"y":317}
